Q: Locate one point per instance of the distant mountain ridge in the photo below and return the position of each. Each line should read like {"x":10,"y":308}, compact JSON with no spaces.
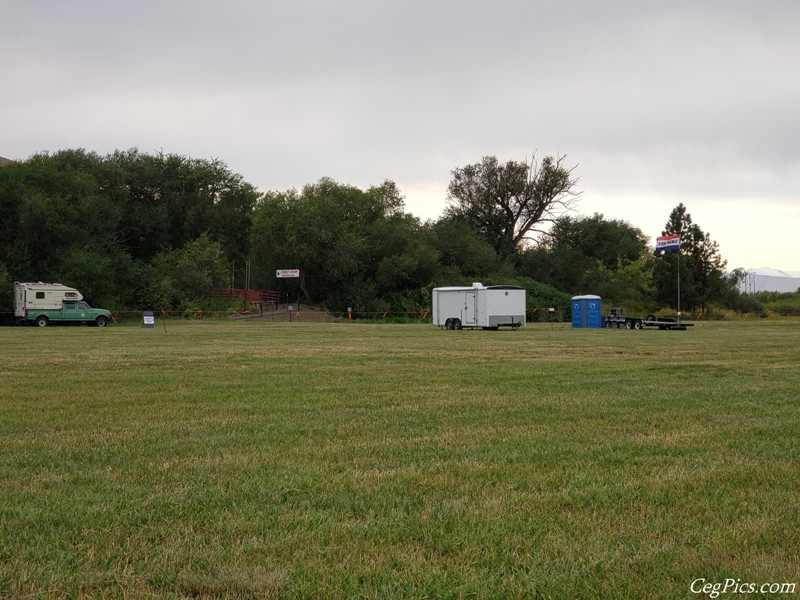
{"x":765,"y":279}
{"x":768,"y":272}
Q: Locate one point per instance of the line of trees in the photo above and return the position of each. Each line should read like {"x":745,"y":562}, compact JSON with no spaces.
{"x":135,"y":230}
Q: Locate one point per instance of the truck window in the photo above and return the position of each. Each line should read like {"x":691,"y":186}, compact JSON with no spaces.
{"x":69,"y":305}
{"x":82,"y":306}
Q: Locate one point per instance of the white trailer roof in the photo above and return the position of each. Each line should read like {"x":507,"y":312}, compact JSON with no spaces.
{"x":477,"y":286}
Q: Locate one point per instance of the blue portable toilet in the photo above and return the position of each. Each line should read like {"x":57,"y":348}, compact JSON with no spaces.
{"x":586,"y":312}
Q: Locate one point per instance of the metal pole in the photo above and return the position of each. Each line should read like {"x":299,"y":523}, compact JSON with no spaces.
{"x":679,"y":285}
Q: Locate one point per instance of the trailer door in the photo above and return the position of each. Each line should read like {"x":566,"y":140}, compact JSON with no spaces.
{"x":19,"y":301}
{"x":470,"y":309}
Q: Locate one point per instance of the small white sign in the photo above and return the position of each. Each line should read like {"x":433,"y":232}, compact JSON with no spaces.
{"x":281,"y":273}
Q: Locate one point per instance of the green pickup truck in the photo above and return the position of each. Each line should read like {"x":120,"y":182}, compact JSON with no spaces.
{"x":44,"y":303}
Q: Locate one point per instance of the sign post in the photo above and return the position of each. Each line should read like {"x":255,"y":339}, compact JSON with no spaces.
{"x":288,"y":274}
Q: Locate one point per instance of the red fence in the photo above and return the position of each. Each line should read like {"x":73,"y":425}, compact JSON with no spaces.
{"x":249,"y":295}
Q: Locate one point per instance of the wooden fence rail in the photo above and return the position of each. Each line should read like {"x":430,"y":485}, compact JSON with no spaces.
{"x":249,"y":295}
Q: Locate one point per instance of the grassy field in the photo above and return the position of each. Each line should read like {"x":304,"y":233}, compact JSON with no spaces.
{"x":291,"y":460}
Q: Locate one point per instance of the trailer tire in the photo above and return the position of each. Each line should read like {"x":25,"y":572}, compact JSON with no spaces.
{"x":41,"y":321}
{"x":456,"y":324}
{"x":101,"y":321}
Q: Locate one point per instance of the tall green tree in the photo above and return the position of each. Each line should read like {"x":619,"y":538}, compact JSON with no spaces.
{"x":462,"y":252}
{"x":61,"y":221}
{"x":585,"y":254}
{"x":672,"y":265}
{"x":403,"y":254}
{"x":698,"y":263}
{"x":174,"y":199}
{"x":508,"y":203}
{"x":628,"y":283}
{"x":185,"y":275}
{"x":98,"y":223}
{"x":353,"y":247}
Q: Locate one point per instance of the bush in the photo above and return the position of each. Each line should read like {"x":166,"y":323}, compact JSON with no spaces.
{"x":785,"y":306}
{"x":6,"y":291}
{"x":746,"y":304}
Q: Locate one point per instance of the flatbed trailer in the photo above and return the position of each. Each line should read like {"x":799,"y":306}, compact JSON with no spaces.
{"x":619,"y":320}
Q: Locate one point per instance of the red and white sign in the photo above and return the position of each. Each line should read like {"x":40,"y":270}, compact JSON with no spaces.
{"x":282,"y":273}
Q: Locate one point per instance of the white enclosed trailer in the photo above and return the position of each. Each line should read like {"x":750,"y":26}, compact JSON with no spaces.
{"x":488,"y":307}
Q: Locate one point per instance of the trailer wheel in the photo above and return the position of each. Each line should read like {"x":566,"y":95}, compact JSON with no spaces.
{"x":637,"y":325}
{"x":41,"y":321}
{"x":448,"y":324}
{"x":101,"y":321}
{"x":456,"y":324}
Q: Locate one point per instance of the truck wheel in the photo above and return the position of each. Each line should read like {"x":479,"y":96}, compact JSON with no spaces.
{"x":101,"y":321}
{"x":628,"y":324}
{"x":637,"y":325}
{"x":41,"y":321}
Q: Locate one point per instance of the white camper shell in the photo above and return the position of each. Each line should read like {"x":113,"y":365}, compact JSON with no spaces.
{"x":41,"y":296}
{"x":487,"y":307}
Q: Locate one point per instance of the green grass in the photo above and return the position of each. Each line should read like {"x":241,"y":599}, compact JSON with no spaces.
{"x":290,"y":460}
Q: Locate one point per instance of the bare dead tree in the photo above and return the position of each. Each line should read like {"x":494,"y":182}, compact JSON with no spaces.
{"x":509,"y":203}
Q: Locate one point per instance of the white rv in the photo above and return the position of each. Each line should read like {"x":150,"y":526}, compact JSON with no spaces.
{"x":488,"y":307}
{"x":43,"y":303}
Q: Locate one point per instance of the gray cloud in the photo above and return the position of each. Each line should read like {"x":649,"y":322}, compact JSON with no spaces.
{"x":677,"y":100}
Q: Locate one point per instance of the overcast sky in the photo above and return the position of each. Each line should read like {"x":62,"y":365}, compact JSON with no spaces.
{"x":655,"y":102}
